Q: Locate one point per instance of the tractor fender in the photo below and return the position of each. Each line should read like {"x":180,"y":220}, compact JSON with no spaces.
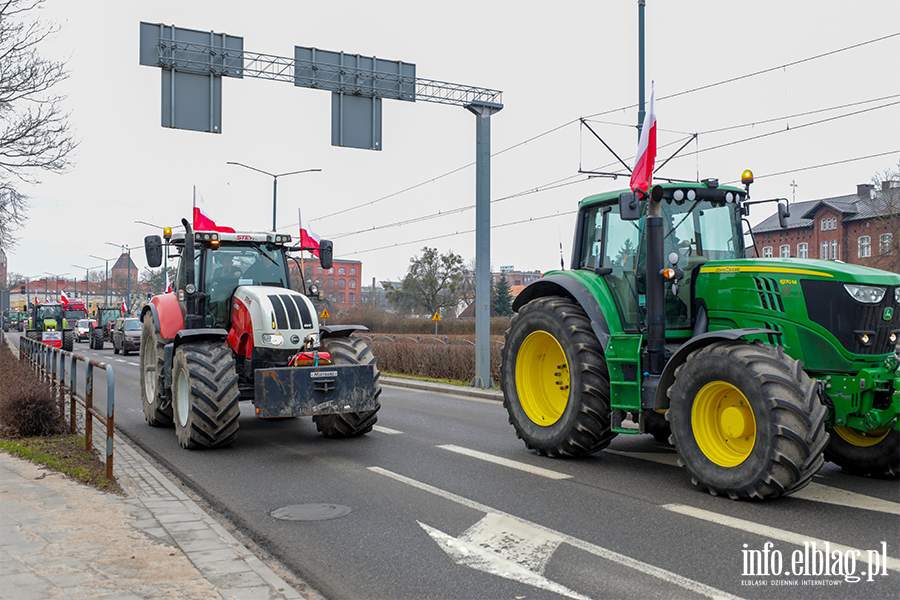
{"x":168,"y":315}
{"x":667,"y":378}
{"x":562,"y":285}
{"x":336,"y":331}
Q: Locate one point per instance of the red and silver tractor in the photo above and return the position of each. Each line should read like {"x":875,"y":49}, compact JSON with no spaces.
{"x":234,"y":330}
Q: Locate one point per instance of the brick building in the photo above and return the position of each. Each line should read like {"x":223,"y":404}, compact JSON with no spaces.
{"x":342,"y":283}
{"x":860,"y":228}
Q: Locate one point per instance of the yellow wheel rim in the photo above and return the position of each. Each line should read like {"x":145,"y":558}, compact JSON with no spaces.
{"x":723,"y":424}
{"x":863,"y":439}
{"x":542,"y":378}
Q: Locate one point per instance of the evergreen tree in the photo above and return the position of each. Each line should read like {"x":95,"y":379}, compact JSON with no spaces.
{"x":501,"y":297}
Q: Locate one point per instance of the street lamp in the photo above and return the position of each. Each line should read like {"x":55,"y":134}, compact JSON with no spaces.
{"x":274,"y":182}
{"x":87,"y":289}
{"x":106,"y":260}
{"x":126,"y":249}
{"x":57,"y":282}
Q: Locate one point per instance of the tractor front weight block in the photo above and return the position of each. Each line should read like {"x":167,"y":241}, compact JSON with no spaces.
{"x":307,"y":391}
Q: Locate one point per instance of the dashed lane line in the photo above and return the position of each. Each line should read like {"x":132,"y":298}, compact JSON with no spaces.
{"x":505,"y":462}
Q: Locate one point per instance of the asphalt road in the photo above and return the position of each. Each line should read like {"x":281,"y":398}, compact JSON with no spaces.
{"x":442,"y":501}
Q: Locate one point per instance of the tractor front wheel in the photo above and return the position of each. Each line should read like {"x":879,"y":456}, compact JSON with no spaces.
{"x":555,"y":380}
{"x":68,"y":341}
{"x":875,"y":453}
{"x":349,"y":351}
{"x":746,"y":420}
{"x":205,"y":395}
{"x":96,"y":339}
{"x":151,"y":361}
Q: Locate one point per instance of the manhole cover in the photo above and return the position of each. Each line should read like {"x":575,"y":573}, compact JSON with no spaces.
{"x":310,"y":512}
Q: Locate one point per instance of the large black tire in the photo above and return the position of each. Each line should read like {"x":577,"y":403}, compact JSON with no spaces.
{"x":68,"y":341}
{"x":555,"y":381}
{"x":152,"y":393}
{"x":746,"y":420}
{"x":33,"y":335}
{"x":205,"y":395}
{"x":656,"y":425}
{"x":876,"y":453}
{"x":96,"y":339}
{"x":349,"y":351}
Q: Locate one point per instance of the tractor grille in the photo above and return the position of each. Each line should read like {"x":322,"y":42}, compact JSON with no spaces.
{"x":829,"y":305}
{"x":290,"y":312}
{"x":769,"y":294}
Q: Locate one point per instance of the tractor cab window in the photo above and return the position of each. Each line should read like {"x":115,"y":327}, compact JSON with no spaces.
{"x":229,"y":267}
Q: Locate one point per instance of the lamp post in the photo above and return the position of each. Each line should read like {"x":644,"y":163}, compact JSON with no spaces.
{"x":126,"y":250}
{"x":87,"y":288}
{"x":274,"y":183}
{"x":57,"y":282}
{"x":105,"y":260}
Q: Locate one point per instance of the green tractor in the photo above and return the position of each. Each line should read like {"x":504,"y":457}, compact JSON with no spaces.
{"x":756,"y":370}
{"x":47,"y":324}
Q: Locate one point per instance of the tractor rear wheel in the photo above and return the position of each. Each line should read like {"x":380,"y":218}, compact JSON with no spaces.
{"x":205,"y":395}
{"x":349,"y":351}
{"x":875,"y":453}
{"x":555,"y":380}
{"x":68,"y":341}
{"x":152,"y":393}
{"x":97,"y":339}
{"x":746,"y":420}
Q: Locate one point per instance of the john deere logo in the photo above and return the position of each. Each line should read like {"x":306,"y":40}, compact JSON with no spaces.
{"x":888,"y":314}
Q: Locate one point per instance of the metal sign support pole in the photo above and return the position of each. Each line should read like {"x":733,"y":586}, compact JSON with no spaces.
{"x":483,"y":112}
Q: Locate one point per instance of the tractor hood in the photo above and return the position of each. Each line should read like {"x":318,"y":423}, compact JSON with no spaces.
{"x":274,"y":318}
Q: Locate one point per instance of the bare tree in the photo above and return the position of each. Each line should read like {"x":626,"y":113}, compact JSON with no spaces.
{"x":35,"y":134}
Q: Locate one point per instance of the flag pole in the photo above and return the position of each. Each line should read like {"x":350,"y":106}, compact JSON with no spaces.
{"x":302,"y":267}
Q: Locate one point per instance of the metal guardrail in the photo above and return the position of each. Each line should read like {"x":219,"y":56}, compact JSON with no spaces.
{"x":49,"y":362}
{"x":446,"y":341}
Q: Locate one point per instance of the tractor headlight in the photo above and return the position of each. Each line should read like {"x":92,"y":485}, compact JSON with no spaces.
{"x":867,"y":294}
{"x":273,"y":339}
{"x":897,"y":295}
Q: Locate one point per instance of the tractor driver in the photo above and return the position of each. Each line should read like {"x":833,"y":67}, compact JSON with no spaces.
{"x":224,"y":281}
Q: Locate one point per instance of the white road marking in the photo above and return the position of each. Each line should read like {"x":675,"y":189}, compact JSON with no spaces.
{"x":648,"y":569}
{"x":512,"y":464}
{"x":816,"y":492}
{"x":386,"y":430}
{"x":504,"y":547}
{"x":770,"y":533}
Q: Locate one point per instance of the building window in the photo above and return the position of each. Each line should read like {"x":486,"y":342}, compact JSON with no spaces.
{"x":823,"y":253}
{"x":803,"y":250}
{"x":784,"y":251}
{"x":886,"y":244}
{"x":352,"y":297}
{"x":342,"y":271}
{"x":331,"y":271}
{"x":767,"y":252}
{"x":340,"y":297}
{"x":834,"y":250}
{"x":352,"y":284}
{"x":319,"y":270}
{"x":342,"y":283}
{"x":352,"y":271}
{"x":865,"y":246}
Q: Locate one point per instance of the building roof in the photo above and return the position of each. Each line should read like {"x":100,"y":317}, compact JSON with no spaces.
{"x":122,"y":263}
{"x":852,"y":208}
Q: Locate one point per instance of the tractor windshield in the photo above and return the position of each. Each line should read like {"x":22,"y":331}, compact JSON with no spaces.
{"x":696,"y":231}
{"x":229,"y":267}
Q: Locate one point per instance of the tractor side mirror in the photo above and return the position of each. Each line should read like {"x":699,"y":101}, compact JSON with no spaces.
{"x":326,"y":251}
{"x":629,"y":206}
{"x":153,"y":250}
{"x":783,"y":214}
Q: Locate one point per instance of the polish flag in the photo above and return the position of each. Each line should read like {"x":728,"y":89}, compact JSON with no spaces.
{"x":203,"y":220}
{"x":168,"y":284}
{"x":642,"y":174}
{"x":64,"y":299}
{"x":309,"y":239}
{"x":124,"y":308}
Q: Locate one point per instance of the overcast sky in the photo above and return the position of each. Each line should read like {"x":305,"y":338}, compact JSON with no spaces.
{"x":554,"y":62}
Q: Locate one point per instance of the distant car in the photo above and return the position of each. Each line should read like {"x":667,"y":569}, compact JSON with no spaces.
{"x":126,"y":335}
{"x":83,"y":329}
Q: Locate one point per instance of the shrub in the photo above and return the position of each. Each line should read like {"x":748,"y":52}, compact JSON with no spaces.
{"x":380,"y":320}
{"x":28,"y":406}
{"x":437,"y":361}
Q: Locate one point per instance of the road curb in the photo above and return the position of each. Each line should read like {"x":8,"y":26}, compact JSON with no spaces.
{"x":443,"y":388}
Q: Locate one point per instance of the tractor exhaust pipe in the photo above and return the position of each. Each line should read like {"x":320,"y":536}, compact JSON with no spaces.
{"x":656,"y":311}
{"x":192,"y":320}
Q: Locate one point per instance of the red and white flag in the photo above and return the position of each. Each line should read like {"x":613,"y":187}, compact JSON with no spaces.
{"x":168,"y":284}
{"x":309,"y":239}
{"x":64,"y":299}
{"x":642,"y":174}
{"x":203,"y":219}
{"x":124,"y":308}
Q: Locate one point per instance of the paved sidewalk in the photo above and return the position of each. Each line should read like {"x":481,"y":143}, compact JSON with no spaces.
{"x":61,"y":539}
